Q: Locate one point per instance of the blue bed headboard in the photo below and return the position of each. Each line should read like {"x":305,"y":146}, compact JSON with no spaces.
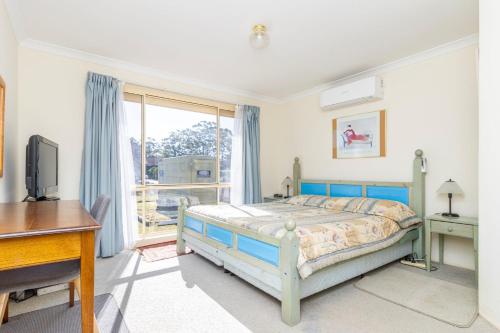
{"x":410,"y":193}
{"x":383,"y":190}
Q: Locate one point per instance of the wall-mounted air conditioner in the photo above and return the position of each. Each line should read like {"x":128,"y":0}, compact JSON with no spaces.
{"x":362,"y":91}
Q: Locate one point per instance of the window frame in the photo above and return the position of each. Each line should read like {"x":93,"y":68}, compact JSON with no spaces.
{"x":141,"y":95}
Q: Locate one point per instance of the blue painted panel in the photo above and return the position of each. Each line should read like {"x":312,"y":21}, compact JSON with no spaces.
{"x":394,"y":193}
{"x":255,"y":248}
{"x":220,"y":234}
{"x":313,"y":188}
{"x":193,"y":224}
{"x":346,"y":190}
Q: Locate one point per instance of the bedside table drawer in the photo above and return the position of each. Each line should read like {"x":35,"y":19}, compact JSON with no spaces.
{"x":454,"y":229}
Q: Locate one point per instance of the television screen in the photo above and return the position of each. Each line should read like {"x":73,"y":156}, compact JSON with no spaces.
{"x":41,"y":167}
{"x":47,"y":167}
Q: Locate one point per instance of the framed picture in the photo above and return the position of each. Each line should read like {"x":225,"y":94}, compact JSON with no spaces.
{"x":2,"y":113}
{"x":361,"y":135}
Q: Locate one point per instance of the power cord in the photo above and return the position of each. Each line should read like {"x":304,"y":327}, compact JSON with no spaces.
{"x":412,"y":258}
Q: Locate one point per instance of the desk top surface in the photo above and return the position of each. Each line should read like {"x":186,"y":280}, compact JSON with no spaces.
{"x":43,"y":217}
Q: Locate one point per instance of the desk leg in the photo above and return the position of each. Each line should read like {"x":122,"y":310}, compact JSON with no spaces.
{"x":428,"y":247}
{"x":441,"y":249}
{"x":87,"y":281}
{"x":4,"y":308}
{"x":476,"y":248}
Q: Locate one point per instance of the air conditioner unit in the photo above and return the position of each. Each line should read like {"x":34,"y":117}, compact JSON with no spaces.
{"x":362,"y":91}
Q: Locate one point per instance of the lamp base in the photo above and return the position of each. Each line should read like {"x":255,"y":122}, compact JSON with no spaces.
{"x":450,"y":215}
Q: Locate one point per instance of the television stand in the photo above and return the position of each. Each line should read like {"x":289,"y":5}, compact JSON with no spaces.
{"x":47,"y":199}
{"x":31,"y":199}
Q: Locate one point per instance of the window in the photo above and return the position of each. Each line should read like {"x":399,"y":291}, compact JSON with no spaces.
{"x":181,"y":148}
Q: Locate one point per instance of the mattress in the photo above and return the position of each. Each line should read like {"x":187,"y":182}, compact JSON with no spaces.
{"x":330,"y":230}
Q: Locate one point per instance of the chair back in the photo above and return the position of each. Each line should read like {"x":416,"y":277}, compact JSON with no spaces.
{"x":98,"y":212}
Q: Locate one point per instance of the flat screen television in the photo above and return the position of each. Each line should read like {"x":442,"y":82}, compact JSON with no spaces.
{"x":41,"y":168}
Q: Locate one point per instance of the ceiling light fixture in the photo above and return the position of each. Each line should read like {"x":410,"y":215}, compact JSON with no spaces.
{"x":259,"y":38}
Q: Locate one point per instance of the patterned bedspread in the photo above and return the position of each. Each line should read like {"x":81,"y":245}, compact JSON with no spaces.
{"x":330,"y":230}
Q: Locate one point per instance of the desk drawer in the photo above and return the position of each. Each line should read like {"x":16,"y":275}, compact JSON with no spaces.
{"x":20,"y":252}
{"x":454,"y":229}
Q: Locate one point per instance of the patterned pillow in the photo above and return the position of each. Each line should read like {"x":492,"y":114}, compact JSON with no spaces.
{"x":341,"y":203}
{"x":307,"y":200}
{"x":394,"y":210}
{"x":297,"y":200}
{"x":315,"y":201}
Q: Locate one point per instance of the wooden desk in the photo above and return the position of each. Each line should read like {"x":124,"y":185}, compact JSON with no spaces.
{"x":35,"y":233}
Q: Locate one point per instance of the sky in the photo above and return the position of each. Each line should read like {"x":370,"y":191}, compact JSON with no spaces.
{"x":161,"y":121}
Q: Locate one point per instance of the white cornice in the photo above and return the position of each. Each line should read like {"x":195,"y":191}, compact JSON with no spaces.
{"x":120,"y":64}
{"x":412,"y":59}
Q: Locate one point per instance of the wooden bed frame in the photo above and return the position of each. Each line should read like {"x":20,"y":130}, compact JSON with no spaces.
{"x":270,"y":264}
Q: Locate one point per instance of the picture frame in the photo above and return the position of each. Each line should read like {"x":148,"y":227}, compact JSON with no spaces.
{"x":359,"y":136}
{"x":2,"y":124}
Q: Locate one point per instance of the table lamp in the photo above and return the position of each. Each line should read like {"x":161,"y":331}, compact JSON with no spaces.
{"x":287,"y":182}
{"x":450,"y":187}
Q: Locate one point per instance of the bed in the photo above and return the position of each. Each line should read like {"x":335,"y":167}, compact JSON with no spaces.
{"x":328,"y":232}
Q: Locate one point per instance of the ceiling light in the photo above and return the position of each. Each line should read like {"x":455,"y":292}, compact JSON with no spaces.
{"x":259,"y":38}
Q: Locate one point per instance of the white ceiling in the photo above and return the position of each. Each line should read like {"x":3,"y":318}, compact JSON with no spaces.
{"x":312,"y":42}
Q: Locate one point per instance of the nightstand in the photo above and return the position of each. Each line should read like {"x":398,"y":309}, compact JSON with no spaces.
{"x":459,"y":226}
{"x":272,"y":198}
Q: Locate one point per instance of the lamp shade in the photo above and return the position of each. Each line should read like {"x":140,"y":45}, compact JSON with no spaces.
{"x":450,"y":186}
{"x":287,"y":181}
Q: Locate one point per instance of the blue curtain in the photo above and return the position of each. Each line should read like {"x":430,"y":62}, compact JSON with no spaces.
{"x":100,"y":172}
{"x":251,"y":155}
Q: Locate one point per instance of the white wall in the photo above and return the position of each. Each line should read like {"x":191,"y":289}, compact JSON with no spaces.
{"x":489,"y":161}
{"x":8,"y":70}
{"x":430,"y":105}
{"x":52,"y":104}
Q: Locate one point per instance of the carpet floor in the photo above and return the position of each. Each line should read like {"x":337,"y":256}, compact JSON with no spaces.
{"x":449,"y":302}
{"x":190,"y":294}
{"x":63,"y":319}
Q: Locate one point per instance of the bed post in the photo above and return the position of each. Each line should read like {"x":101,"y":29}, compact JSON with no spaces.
{"x":419,"y":198}
{"x":181,"y":244}
{"x":296,"y":176}
{"x":290,"y":290}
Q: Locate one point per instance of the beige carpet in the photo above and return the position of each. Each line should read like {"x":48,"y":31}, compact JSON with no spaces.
{"x":190,"y":294}
{"x":443,"y":300}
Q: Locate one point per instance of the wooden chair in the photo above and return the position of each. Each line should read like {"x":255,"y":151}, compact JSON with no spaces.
{"x":50,"y":274}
